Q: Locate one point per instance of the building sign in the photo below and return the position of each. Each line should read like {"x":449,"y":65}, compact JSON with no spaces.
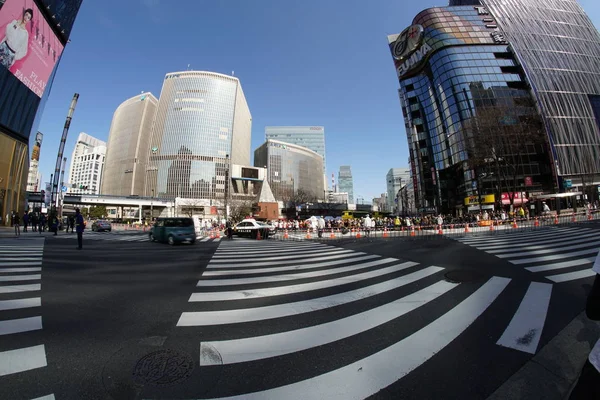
{"x":485,"y":199}
{"x":35,"y":153}
{"x":481,"y":10}
{"x":498,"y":37}
{"x":410,"y":49}
{"x":528,"y":181}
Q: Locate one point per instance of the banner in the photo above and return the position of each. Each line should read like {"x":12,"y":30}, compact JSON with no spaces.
{"x":35,"y":153}
{"x":485,"y":199}
{"x":28,"y":47}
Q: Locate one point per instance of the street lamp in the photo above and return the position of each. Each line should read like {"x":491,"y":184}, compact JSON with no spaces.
{"x":226,"y":194}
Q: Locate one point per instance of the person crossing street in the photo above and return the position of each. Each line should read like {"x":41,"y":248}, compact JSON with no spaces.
{"x":79,"y":227}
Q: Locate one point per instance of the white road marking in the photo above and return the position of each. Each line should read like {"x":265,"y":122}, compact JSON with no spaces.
{"x":205,"y":318}
{"x":259,"y":249}
{"x":233,"y":257}
{"x":532,"y":244}
{"x":48,"y":397}
{"x":560,"y":265}
{"x":283,"y":290}
{"x":20,"y":288}
{"x":350,"y":258}
{"x":278,"y":262}
{"x":512,"y":236}
{"x":369,"y":375}
{"x":206,"y":239}
{"x":19,"y":325}
{"x":7,"y":270}
{"x":21,"y":258}
{"x":24,"y":359}
{"x":217,"y":239}
{"x":525,"y":329}
{"x":571,"y":276}
{"x":278,"y":250}
{"x":11,"y":278}
{"x":17,"y":264}
{"x":555,"y":248}
{"x":303,"y":275}
{"x":261,"y":347}
{"x":321,"y":254}
{"x":554,"y":257}
{"x":20,"y":303}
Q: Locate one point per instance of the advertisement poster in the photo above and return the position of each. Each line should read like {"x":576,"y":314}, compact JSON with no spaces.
{"x":35,"y":153}
{"x":28,"y":47}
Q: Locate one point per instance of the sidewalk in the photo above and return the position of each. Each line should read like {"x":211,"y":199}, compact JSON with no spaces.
{"x":552,"y":373}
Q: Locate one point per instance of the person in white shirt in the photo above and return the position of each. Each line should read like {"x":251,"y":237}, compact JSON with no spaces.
{"x":367,"y":225}
{"x":13,"y":46}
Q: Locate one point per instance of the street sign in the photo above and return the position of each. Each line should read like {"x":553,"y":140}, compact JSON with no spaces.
{"x":568,"y":183}
{"x":64,"y":189}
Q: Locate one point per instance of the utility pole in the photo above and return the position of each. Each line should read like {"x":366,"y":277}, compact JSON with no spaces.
{"x":61,"y":147}
{"x":59,"y":196}
{"x":226,"y":187}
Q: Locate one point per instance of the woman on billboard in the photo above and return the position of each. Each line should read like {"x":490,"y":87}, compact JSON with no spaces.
{"x":13,"y":46}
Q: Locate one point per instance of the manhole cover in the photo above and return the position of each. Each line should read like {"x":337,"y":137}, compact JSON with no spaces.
{"x":463,"y":275}
{"x":163,"y":368}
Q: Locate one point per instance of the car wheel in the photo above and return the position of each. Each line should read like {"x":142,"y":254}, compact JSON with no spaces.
{"x":171,"y":240}
{"x":152,"y":238}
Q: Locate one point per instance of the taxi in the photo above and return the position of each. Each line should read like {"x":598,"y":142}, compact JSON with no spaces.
{"x":250,"y":227}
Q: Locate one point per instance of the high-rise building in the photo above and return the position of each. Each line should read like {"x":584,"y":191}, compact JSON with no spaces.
{"x":311,"y":137}
{"x":345,"y":182}
{"x":22,"y":99}
{"x":291,"y":168}
{"x":202,"y":127}
{"x":87,"y":163}
{"x":34,"y":178}
{"x":474,"y":78}
{"x":395,"y":179}
{"x":128,"y":146}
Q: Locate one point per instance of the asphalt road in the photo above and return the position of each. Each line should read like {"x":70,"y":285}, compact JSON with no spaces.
{"x":430,"y":318}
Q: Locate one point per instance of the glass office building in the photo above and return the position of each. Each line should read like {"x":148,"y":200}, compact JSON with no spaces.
{"x":22,"y":98}
{"x":291,"y":168}
{"x":454,"y":67}
{"x":346,"y":183}
{"x":311,"y":137}
{"x":202,"y":126}
{"x":128,"y":146}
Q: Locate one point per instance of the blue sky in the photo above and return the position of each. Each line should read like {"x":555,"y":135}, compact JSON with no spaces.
{"x":314,"y":62}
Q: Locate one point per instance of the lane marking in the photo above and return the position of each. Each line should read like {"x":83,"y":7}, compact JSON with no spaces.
{"x":512,"y":235}
{"x":206,"y":318}
{"x":20,"y":288}
{"x":24,"y":359}
{"x":304,"y":275}
{"x":271,"y":251}
{"x":560,"y":265}
{"x":20,"y":303}
{"x":19,"y":325}
{"x":21,"y":258}
{"x":237,"y":255}
{"x":11,"y":278}
{"x":554,"y":249}
{"x":291,"y":268}
{"x":278,"y":262}
{"x":543,"y":242}
{"x":529,"y":238}
{"x":48,"y":397}
{"x":524,"y":331}
{"x":303,"y":255}
{"x":571,"y":276}
{"x":258,"y":249}
{"x":554,"y":257}
{"x":206,"y":239}
{"x":7,"y":270}
{"x":261,"y":347}
{"x":17,"y":264}
{"x":369,"y":375}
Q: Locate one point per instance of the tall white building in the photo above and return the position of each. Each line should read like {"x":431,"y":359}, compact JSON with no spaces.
{"x":311,"y":137}
{"x":396,"y":178}
{"x":87,"y":163}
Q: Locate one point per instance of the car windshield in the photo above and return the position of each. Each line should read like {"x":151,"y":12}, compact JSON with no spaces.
{"x":180,"y":223}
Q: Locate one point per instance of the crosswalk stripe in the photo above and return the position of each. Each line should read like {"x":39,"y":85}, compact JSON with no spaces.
{"x":277,"y":262}
{"x":24,"y":359}
{"x":290,"y":268}
{"x":558,"y":247}
{"x":19,"y":325}
{"x":525,"y":329}
{"x":206,"y":239}
{"x":270,"y":250}
{"x":20,"y":288}
{"x":369,"y":375}
{"x":20,"y":303}
{"x":261,"y":347}
{"x":219,"y":256}
{"x":217,"y":239}
{"x":48,"y":397}
{"x":206,"y":318}
{"x":257,"y":249}
{"x":554,"y":256}
{"x":19,"y":263}
{"x":560,"y":265}
{"x":32,"y":252}
{"x":571,"y":276}
{"x":11,"y":278}
{"x":22,"y":269}
{"x":304,"y":275}
{"x":518,"y":236}
{"x":21,"y":258}
{"x":288,"y":257}
{"x":575,"y":238}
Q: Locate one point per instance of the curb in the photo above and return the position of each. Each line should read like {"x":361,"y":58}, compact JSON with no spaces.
{"x":552,"y":373}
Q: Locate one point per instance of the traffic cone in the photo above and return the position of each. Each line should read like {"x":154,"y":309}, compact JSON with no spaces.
{"x":573,"y":219}
{"x":332,"y":234}
{"x":212,"y":235}
{"x":467,"y":230}
{"x":219,"y":234}
{"x":258,"y":237}
{"x":412,"y":231}
{"x":358,"y":233}
{"x":589,"y":216}
{"x":285,"y":234}
{"x":308,"y":234}
{"x":515,"y":224}
{"x":536,"y":223}
{"x":440,"y":231}
{"x":385,"y":234}
{"x":492,"y":227}
{"x":556,"y":220}
{"x":419,"y":228}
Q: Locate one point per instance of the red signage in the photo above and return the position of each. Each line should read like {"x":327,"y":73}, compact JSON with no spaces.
{"x":528,"y":181}
{"x":519,"y":198}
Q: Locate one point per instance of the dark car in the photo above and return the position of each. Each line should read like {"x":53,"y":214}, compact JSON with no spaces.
{"x":173,"y":230}
{"x":101,"y":226}
{"x":250,"y":228}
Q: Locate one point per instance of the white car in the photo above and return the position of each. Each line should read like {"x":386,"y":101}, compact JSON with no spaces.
{"x":250,"y":227}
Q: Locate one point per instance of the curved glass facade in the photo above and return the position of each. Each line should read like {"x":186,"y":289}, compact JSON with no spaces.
{"x":202,"y":123}
{"x":559,"y":49}
{"x":291,"y":168}
{"x":128,"y":146}
{"x":459,"y":70}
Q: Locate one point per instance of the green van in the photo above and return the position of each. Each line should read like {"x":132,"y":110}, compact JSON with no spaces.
{"x":173,"y":230}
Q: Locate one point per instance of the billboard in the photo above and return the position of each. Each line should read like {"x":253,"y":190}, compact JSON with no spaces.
{"x":35,"y":153}
{"x":28,"y":47}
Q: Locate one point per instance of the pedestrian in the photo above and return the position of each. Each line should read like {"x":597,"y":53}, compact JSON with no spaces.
{"x":25,"y":221}
{"x":588,"y":385}
{"x":79,"y":227}
{"x":16,"y":221}
{"x":42,"y":222}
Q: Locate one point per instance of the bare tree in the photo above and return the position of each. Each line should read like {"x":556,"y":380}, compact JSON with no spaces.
{"x":190,"y":207}
{"x":240,"y":209}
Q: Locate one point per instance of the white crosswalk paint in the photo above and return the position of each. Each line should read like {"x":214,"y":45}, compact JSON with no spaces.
{"x":304,"y":275}
{"x":350,"y":258}
{"x":220,"y":256}
{"x":571,"y":276}
{"x":261,"y":347}
{"x":20,"y":303}
{"x":11,"y":278}
{"x":508,"y":239}
{"x":23,"y":269}
{"x":269,"y":250}
{"x":555,"y":256}
{"x":19,"y":325}
{"x":367,"y":376}
{"x":535,"y":243}
{"x":19,"y":263}
{"x":544,"y":251}
{"x":205,"y":318}
{"x":280,"y":257}
{"x":267,"y":263}
{"x":24,"y":359}
{"x":560,"y":265}
{"x":206,"y":239}
{"x":48,"y":397}
{"x":20,"y":288}
{"x":525,"y":329}
{"x":22,"y":258}
{"x":260,"y":249}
